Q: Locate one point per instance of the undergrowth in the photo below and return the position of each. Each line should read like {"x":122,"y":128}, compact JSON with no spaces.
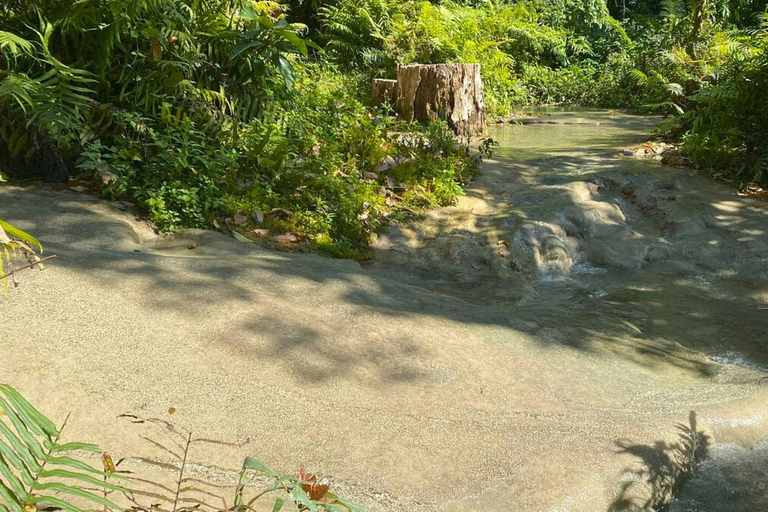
{"x":204,"y":113}
{"x":201,"y":112}
{"x":39,"y":471}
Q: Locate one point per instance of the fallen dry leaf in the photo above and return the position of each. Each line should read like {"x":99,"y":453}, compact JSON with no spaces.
{"x":241,"y":238}
{"x":240,"y":219}
{"x":259,"y":216}
{"x":287,"y":238}
{"x":261,"y":232}
{"x":106,"y":177}
{"x":279,"y":213}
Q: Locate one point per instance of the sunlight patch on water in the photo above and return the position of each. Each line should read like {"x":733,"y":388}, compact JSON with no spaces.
{"x":586,"y":268}
{"x":734,"y":359}
{"x":734,"y":422}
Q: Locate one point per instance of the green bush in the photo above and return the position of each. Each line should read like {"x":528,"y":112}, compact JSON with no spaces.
{"x":328,"y":185}
{"x":726,"y":127}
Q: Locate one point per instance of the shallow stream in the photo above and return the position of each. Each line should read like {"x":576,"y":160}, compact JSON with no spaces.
{"x":582,"y":243}
{"x":565,"y":227}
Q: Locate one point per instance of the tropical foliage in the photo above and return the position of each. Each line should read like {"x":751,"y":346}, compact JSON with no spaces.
{"x":254,"y":115}
{"x":699,"y":60}
{"x":725,"y":126}
{"x":204,"y":110}
{"x":39,"y":471}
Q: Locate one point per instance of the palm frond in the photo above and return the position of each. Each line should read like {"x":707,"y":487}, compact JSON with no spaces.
{"x":37,"y":469}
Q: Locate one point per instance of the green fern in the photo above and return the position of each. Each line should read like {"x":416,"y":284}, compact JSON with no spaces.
{"x":38,"y":470}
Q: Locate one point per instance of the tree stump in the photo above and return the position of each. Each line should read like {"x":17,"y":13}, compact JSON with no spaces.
{"x":384,"y":91}
{"x":453,"y":92}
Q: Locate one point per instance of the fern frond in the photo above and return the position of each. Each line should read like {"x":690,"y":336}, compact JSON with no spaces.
{"x":14,"y":44}
{"x":36,"y":468}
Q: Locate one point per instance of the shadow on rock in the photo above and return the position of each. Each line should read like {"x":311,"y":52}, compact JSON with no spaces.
{"x":665,"y":468}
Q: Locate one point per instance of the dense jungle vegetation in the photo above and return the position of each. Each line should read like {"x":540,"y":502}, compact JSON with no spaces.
{"x":258,"y":112}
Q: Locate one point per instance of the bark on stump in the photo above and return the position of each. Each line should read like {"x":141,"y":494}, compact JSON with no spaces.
{"x":453,"y":92}
{"x":384,"y":91}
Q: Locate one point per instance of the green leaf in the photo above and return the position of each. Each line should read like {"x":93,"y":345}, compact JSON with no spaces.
{"x":21,"y":235}
{"x":68,"y":447}
{"x":240,"y":48}
{"x":279,"y":502}
{"x":55,"y":502}
{"x":10,"y":478}
{"x":88,"y":479}
{"x":20,"y":449}
{"x":296,"y":41}
{"x":10,"y":498}
{"x":32,"y":417}
{"x":11,"y":456}
{"x":256,"y":465}
{"x":349,"y":506}
{"x":24,"y":434}
{"x":76,"y":491}
{"x":299,"y":496}
{"x":15,"y":44}
{"x":82,"y":466}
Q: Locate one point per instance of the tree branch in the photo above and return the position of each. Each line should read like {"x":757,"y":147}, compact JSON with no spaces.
{"x":29,"y":265}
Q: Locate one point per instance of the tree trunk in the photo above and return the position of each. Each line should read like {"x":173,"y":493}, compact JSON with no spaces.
{"x":384,"y":91}
{"x":453,"y":92}
{"x":699,"y":16}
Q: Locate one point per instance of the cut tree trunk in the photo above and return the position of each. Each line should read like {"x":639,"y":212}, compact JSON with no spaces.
{"x":384,"y":91}
{"x":453,"y":92}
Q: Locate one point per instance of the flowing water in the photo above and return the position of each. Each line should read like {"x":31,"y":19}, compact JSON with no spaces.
{"x":587,"y":245}
{"x":565,"y":225}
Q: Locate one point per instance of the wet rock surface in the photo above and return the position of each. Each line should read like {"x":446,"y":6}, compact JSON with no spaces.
{"x":562,"y":221}
{"x":530,"y":349}
{"x":732,"y":479}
